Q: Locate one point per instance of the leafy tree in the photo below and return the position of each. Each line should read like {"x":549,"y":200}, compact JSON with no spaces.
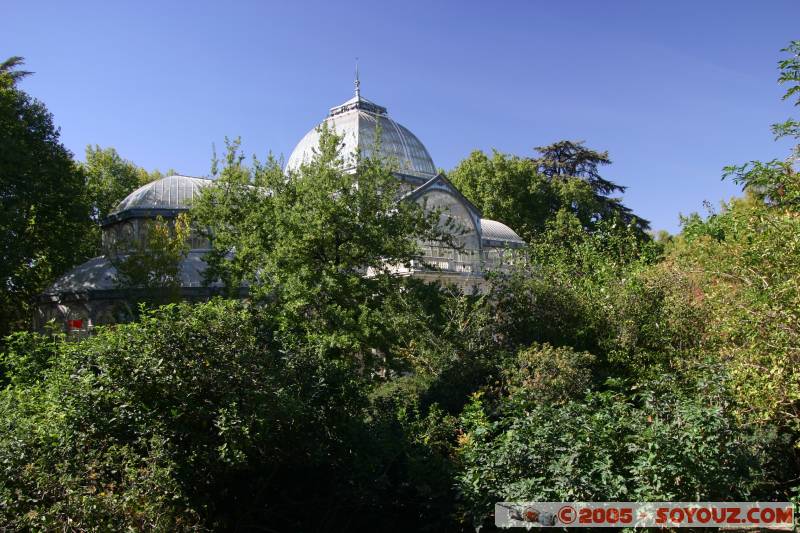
{"x":526,"y":193}
{"x":745,"y":258}
{"x":110,"y":178}
{"x":9,"y":72}
{"x":44,"y":216}
{"x":197,"y":417}
{"x":545,"y":374}
{"x":236,"y":215}
{"x":563,"y":161}
{"x":790,"y":73}
{"x":777,"y":182}
{"x":447,"y":345}
{"x":321,"y":245}
{"x":27,"y":355}
{"x":605,"y":292}
{"x":151,"y":264}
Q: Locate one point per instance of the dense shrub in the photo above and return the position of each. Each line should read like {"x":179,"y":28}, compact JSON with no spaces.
{"x":185,"y":418}
{"x":667,"y":441}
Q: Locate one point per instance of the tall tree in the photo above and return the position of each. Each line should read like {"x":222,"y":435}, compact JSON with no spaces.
{"x":44,"y":212}
{"x":527,"y":193}
{"x":110,"y":178}
{"x":777,"y":182}
{"x":747,"y":259}
{"x":150,"y":265}
{"x":9,"y":72}
{"x":565,"y":161}
{"x":320,"y":245}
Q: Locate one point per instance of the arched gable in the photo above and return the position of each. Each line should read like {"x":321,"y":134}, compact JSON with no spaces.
{"x":439,"y":193}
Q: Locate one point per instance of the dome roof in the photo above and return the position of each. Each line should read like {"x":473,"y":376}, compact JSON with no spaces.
{"x":99,"y":274}
{"x":358,"y":121}
{"x":496,"y":233}
{"x":170,"y":193}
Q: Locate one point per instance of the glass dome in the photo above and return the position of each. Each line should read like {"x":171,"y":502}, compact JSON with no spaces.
{"x":170,"y":193}
{"x":358,"y":120}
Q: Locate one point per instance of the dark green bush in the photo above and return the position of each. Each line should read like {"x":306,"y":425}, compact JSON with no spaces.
{"x":669,"y":442}
{"x":188,"y":417}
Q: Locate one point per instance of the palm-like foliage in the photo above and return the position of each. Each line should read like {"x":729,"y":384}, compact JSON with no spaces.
{"x":9,"y":72}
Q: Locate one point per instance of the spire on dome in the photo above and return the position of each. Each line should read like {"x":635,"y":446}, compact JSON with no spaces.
{"x":358,"y":122}
{"x":358,"y":82}
{"x":357,"y":102}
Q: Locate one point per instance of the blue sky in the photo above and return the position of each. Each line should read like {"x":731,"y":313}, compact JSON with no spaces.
{"x":674,"y":90}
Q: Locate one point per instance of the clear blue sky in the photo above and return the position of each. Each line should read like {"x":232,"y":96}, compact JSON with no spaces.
{"x":674,"y":90}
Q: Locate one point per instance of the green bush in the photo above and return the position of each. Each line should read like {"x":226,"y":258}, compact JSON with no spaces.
{"x":171,"y":422}
{"x":665,"y":441}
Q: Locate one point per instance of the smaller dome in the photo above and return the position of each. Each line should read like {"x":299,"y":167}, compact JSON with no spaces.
{"x":170,"y":193}
{"x":99,"y":274}
{"x":496,"y":233}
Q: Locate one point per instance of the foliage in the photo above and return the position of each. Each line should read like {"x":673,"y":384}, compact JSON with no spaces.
{"x":321,"y":246}
{"x":27,"y":355}
{"x":44,"y":213}
{"x":9,"y":71}
{"x":526,"y":193}
{"x":235,"y":214}
{"x":151,"y":263}
{"x":545,"y":374}
{"x":745,"y":259}
{"x":777,"y":182}
{"x":604,"y":365}
{"x":790,"y":73}
{"x":110,"y":178}
{"x":563,"y":161}
{"x":668,"y":443}
{"x":183,"y":417}
{"x":605,"y":293}
{"x":411,"y":447}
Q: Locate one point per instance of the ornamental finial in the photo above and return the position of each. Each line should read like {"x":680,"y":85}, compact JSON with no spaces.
{"x":358,"y":82}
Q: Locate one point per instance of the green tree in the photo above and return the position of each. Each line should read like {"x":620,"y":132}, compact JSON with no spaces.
{"x":565,"y":161}
{"x":790,"y":73}
{"x":44,"y":216}
{"x":746,"y":260}
{"x":110,"y":178}
{"x":9,"y":71}
{"x":321,"y":245}
{"x":526,"y":193}
{"x":777,"y":182}
{"x":605,"y":292}
{"x":149,"y":267}
{"x":506,"y":188}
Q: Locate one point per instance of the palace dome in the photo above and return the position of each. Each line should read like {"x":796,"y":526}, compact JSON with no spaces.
{"x":166,"y":194}
{"x":358,"y":120}
{"x":496,"y":233}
